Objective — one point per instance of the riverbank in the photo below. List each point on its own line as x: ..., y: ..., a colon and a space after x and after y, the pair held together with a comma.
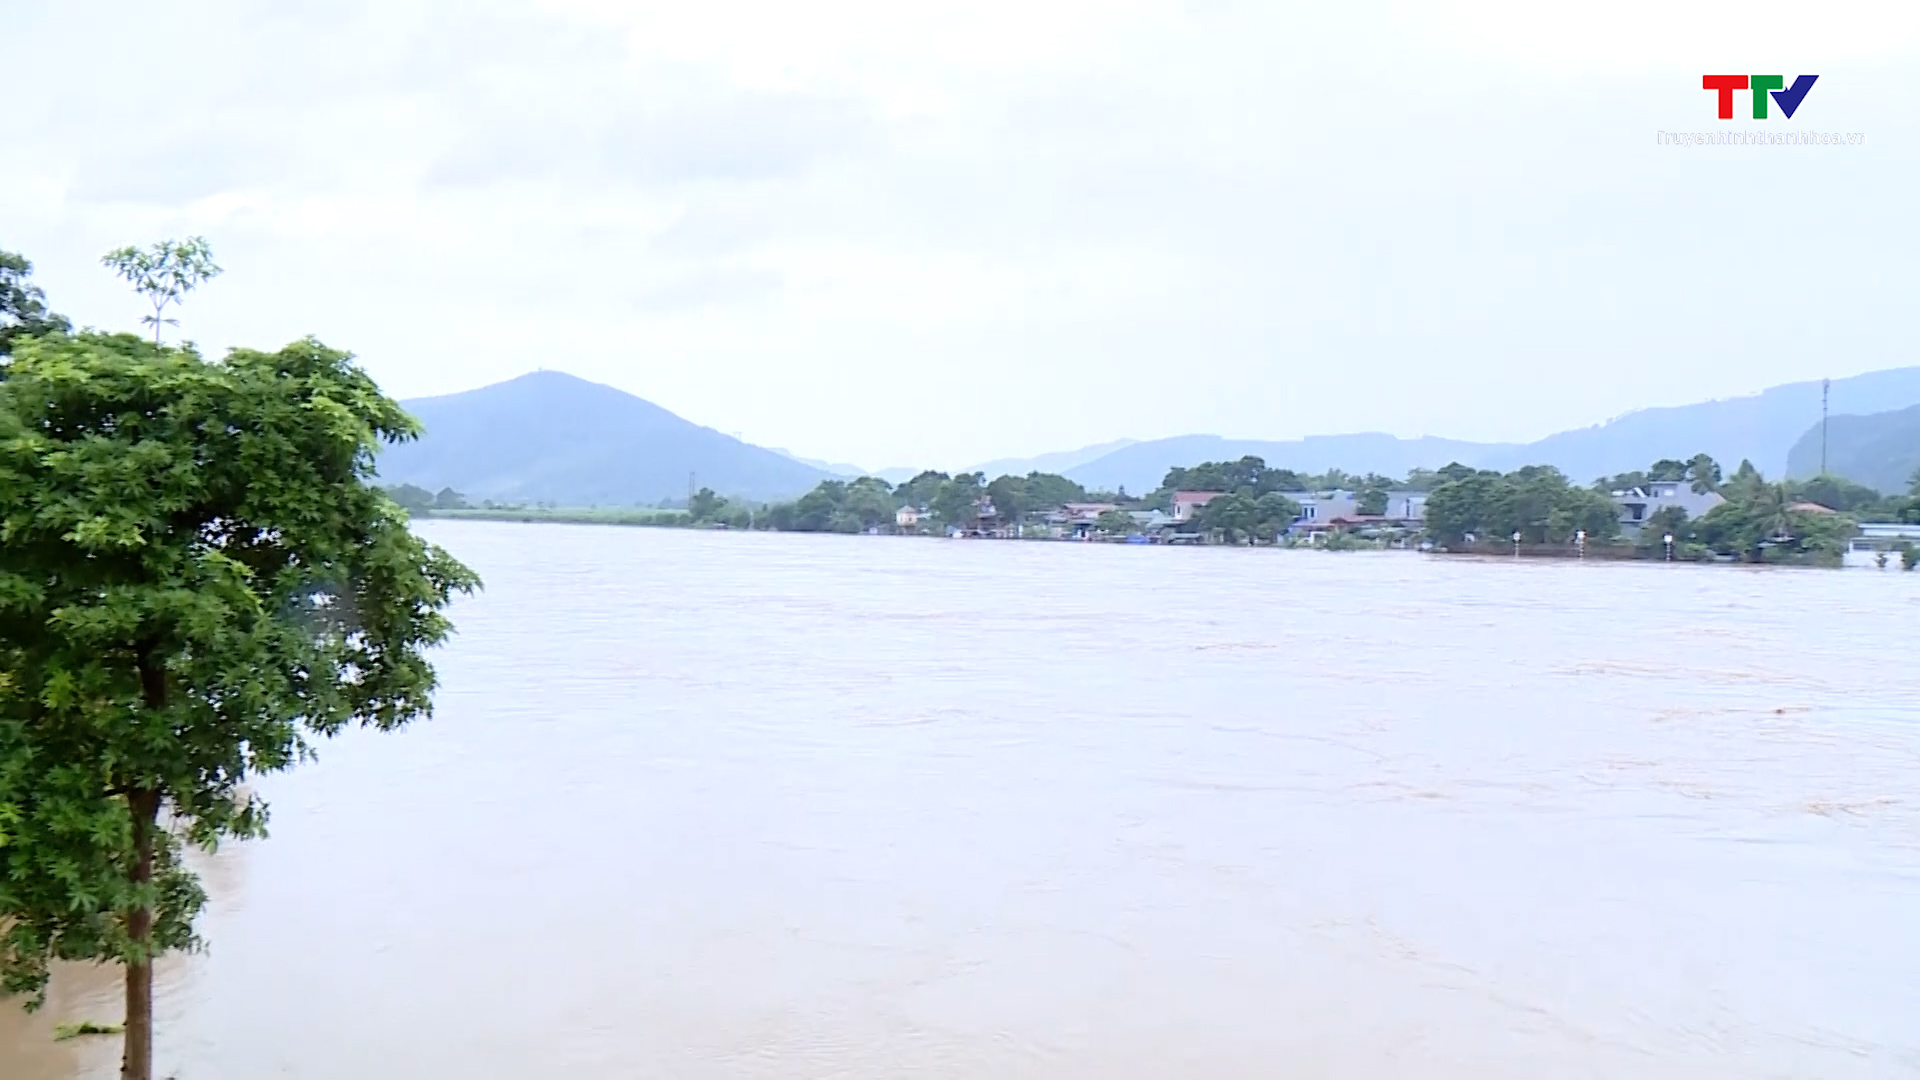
x: 677, y: 519
x: 648, y: 517
x: 592, y: 515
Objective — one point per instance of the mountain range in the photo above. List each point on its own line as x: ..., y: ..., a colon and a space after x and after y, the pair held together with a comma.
x: 1761, y: 428
x: 552, y: 437
x: 1059, y: 462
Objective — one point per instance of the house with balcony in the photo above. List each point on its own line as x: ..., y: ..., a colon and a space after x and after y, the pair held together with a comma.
x: 1318, y: 509
x: 986, y: 519
x: 1322, y: 512
x: 1639, y: 504
x: 1406, y: 508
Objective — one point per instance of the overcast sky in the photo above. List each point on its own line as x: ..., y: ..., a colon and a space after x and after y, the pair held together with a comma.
x: 899, y: 233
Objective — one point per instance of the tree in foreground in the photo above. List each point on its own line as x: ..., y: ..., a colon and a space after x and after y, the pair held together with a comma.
x: 198, y: 580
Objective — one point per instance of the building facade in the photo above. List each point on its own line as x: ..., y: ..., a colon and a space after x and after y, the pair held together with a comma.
x: 1639, y: 504
x: 1186, y: 502
x: 1878, y: 539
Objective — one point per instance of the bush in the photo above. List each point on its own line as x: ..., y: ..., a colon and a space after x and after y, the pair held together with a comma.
x: 1340, y: 541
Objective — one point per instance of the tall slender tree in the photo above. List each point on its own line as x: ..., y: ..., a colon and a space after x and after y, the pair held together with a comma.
x: 164, y: 273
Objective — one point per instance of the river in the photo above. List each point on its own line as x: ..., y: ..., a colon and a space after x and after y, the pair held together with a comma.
x: 702, y: 805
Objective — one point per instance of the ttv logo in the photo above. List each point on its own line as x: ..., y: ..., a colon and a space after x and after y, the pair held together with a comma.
x: 1788, y: 99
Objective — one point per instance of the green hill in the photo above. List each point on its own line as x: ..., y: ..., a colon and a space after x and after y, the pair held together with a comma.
x: 552, y: 437
x: 1880, y: 450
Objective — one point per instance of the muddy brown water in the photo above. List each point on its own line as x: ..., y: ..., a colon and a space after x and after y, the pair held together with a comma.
x: 701, y: 805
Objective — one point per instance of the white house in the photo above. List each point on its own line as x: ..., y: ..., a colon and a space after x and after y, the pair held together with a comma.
x: 1638, y: 504
x: 1406, y: 506
x: 1880, y: 538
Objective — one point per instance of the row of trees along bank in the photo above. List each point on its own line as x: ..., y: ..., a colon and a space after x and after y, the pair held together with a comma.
x: 953, y: 500
x: 198, y: 583
x: 1806, y: 521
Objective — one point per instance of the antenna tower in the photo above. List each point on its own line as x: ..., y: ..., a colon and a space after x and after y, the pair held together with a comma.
x: 1825, y: 386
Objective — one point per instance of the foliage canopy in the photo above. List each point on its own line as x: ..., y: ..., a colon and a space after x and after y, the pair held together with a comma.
x: 23, y: 305
x: 197, y: 580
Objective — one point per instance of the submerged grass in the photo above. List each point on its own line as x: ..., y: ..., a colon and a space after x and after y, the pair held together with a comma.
x: 569, y: 516
x: 85, y: 1027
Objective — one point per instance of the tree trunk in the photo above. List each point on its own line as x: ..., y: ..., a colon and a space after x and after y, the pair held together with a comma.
x: 136, y: 1062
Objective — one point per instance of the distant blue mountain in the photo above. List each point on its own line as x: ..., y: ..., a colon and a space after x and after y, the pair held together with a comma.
x: 1057, y: 462
x: 1761, y: 428
x: 834, y: 468
x: 552, y: 437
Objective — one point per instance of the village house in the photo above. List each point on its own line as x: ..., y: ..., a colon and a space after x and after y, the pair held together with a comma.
x: 1076, y: 520
x: 1320, y: 509
x: 1186, y: 502
x: 1407, y: 508
x: 1640, y: 503
x: 907, y: 518
x: 1150, y: 521
x: 986, y: 519
x: 1880, y: 540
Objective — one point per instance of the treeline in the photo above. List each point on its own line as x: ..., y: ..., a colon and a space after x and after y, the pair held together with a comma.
x: 853, y: 506
x: 1536, y: 503
x: 1255, y: 504
x: 1252, y: 476
x: 1757, y: 520
x: 1754, y: 518
x: 1466, y: 508
x: 1252, y: 505
x: 416, y: 500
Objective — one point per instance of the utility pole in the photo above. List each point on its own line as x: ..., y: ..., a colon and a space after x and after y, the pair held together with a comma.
x: 1825, y: 386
